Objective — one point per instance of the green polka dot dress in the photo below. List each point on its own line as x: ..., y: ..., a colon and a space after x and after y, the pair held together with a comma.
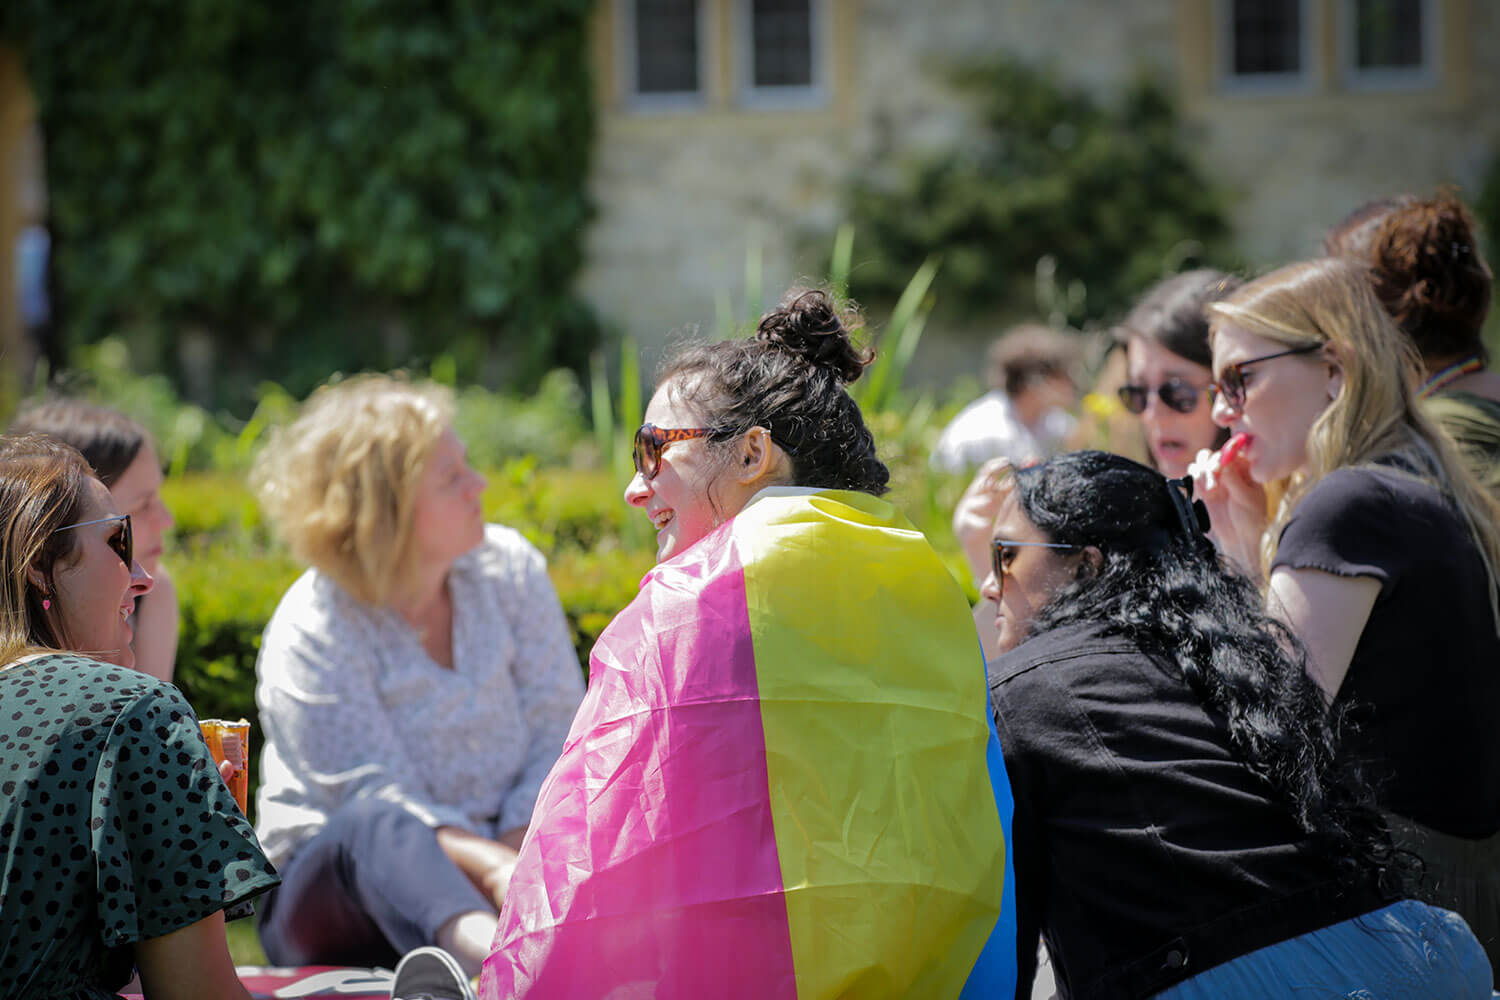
x: 114, y: 826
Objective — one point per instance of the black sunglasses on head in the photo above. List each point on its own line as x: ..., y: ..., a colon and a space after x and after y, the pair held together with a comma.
x: 1176, y: 393
x: 122, y: 541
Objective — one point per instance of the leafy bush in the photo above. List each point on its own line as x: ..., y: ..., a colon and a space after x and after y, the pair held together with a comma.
x: 372, y: 182
x: 1106, y: 198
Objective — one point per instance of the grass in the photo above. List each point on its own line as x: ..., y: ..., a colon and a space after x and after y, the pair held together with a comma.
x: 244, y: 942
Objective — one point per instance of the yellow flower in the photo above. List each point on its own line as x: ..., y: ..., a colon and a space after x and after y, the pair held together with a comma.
x: 1102, y: 407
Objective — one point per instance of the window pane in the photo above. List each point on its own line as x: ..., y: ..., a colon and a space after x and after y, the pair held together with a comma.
x: 1388, y: 34
x: 782, y: 30
x: 666, y: 46
x: 1267, y: 36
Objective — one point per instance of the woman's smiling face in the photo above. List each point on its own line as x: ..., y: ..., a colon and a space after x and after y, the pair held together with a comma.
x: 679, y: 499
x: 93, y: 592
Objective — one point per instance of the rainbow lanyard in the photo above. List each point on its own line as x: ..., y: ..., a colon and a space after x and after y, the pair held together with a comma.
x: 1450, y: 374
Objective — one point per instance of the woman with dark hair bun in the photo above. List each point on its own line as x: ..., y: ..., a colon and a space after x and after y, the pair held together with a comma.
x: 1184, y: 827
x: 783, y: 781
x: 1425, y: 265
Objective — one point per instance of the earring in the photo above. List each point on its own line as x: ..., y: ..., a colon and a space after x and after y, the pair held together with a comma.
x: 46, y: 604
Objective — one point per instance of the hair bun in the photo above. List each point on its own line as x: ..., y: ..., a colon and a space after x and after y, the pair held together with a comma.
x: 808, y: 326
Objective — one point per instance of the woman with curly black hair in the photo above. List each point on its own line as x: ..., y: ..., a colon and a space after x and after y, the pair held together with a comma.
x: 1184, y: 827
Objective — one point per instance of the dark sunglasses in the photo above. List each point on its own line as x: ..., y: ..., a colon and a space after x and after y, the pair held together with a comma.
x: 998, y: 561
x: 651, y: 441
x: 1231, y: 383
x: 1176, y: 393
x: 122, y: 541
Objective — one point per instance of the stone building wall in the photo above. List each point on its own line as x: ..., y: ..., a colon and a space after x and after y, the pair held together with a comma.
x: 682, y: 194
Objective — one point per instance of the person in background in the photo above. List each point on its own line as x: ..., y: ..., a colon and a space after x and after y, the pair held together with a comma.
x: 783, y: 781
x: 1425, y: 265
x: 1024, y: 416
x: 120, y: 844
x: 1184, y: 828
x: 414, y: 685
x: 1381, y: 554
x: 125, y: 460
x: 1167, y: 360
x: 1165, y: 339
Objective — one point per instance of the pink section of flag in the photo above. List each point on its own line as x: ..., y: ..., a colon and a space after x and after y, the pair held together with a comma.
x: 656, y: 872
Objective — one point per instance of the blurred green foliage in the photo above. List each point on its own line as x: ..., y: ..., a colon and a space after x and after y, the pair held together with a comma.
x: 281, y: 190
x: 1046, y: 183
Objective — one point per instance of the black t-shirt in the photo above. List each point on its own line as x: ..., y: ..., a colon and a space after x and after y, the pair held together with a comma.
x: 1423, y: 687
x: 1144, y: 851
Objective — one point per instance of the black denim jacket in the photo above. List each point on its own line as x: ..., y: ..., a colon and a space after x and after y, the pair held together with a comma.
x: 1144, y: 851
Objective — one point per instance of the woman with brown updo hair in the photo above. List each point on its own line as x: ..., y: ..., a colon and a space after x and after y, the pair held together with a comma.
x: 1427, y: 270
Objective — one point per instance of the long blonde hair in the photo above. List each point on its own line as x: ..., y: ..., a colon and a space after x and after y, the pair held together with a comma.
x: 340, y: 482
x: 1330, y: 302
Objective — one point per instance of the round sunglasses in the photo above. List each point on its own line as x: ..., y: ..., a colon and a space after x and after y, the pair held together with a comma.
x: 122, y: 541
x: 1176, y: 393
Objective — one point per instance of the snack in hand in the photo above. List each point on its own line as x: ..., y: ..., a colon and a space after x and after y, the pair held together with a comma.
x: 1208, y: 463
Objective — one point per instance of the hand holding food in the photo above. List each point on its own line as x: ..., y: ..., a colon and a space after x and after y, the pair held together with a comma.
x: 1207, y: 464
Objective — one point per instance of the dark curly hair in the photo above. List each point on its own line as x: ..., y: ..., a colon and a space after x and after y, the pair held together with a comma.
x: 789, y: 378
x: 1161, y: 584
x: 1425, y: 265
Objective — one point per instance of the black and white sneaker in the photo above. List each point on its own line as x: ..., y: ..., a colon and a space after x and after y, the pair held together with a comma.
x: 430, y: 974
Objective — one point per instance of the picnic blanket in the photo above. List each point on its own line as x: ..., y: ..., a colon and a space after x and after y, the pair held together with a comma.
x: 313, y: 981
x: 783, y: 781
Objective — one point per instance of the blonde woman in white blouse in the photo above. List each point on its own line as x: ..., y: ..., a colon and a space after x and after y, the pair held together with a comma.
x: 415, y: 685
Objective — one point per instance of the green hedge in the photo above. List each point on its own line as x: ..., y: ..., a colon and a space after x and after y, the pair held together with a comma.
x: 1049, y: 193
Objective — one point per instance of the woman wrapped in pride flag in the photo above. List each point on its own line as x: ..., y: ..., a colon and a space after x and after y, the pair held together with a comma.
x: 783, y: 781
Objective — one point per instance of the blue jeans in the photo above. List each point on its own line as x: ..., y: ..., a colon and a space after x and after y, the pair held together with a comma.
x: 1405, y: 951
x: 371, y: 886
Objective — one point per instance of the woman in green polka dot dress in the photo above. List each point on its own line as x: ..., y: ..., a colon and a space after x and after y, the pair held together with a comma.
x: 120, y: 845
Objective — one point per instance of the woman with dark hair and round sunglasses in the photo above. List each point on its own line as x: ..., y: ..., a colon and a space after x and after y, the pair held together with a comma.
x: 124, y: 458
x: 779, y: 783
x: 1168, y: 365
x: 1184, y: 827
x: 121, y: 845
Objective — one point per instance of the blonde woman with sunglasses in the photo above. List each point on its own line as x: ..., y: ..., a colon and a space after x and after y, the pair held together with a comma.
x: 121, y: 846
x: 1381, y: 553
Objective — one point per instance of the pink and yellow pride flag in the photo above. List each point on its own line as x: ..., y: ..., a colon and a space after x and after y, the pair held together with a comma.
x: 783, y: 783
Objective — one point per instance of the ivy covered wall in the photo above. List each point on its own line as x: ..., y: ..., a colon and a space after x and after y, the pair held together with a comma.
x: 281, y: 189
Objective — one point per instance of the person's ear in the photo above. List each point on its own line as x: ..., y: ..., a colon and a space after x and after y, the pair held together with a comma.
x: 1090, y: 563
x: 758, y: 456
x: 38, y: 579
x: 1335, y: 371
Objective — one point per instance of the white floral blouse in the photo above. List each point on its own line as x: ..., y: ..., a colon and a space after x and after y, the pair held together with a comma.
x: 352, y: 705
